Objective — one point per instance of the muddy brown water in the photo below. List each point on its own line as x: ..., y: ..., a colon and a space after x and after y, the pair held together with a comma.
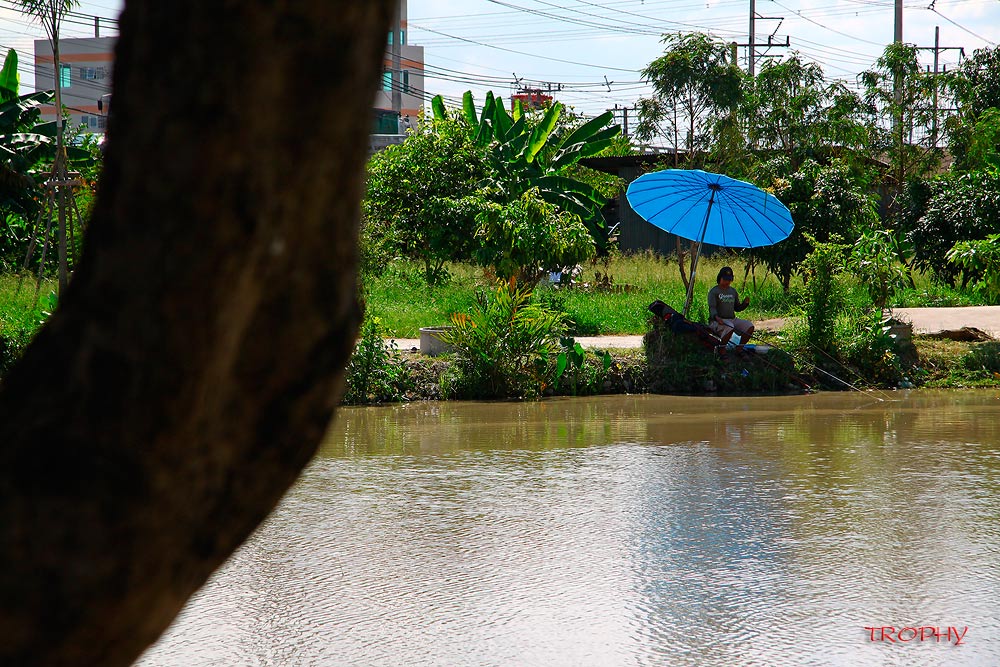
x: 625, y: 531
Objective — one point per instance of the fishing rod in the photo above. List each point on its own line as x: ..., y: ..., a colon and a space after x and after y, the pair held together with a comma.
x: 844, y: 366
x: 814, y: 367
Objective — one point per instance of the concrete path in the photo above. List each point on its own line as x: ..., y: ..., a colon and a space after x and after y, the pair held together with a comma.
x: 924, y: 320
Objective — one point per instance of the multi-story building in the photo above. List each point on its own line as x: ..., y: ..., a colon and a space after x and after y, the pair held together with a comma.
x: 85, y: 65
x: 410, y: 82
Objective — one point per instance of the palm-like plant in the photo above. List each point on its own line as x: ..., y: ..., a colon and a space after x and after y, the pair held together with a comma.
x: 50, y: 13
x: 528, y: 155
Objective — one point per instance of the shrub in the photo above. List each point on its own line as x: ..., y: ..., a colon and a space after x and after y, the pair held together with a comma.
x: 375, y: 373
x: 824, y: 298
x: 680, y: 364
x: 981, y: 258
x: 504, y: 347
x: 527, y: 237
x: 579, y: 372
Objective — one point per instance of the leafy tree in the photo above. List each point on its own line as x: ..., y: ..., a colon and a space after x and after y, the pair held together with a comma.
x: 520, y: 238
x: 696, y: 86
x: 826, y: 201
x: 526, y: 152
x: 193, y: 364
x: 975, y: 86
x: 900, y: 98
x: 420, y: 195
x: 946, y: 210
x: 983, y: 147
x: 983, y: 259
x: 789, y: 106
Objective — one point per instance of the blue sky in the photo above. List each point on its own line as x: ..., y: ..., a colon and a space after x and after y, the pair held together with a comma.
x: 616, y: 38
x: 483, y: 44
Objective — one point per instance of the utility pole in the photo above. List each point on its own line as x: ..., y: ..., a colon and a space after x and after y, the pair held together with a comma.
x: 59, y: 167
x: 752, y: 42
x: 624, y: 110
x: 97, y: 26
x: 397, y: 68
x: 59, y: 187
x: 937, y: 48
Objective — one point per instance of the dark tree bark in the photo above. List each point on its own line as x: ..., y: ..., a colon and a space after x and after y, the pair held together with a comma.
x: 197, y: 356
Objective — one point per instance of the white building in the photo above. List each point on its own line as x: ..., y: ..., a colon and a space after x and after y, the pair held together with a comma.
x: 85, y: 65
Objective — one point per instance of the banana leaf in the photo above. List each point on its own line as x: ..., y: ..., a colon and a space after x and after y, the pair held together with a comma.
x: 437, y: 104
x: 502, y: 123
x: 10, y: 80
x: 540, y: 135
x: 571, y: 186
x: 589, y: 129
x: 567, y: 157
x: 469, y: 108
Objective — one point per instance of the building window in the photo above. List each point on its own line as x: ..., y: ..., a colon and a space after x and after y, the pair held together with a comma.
x: 387, y: 80
x: 102, y: 122
x: 406, y: 81
x: 402, y: 37
x: 93, y: 73
x: 65, y: 76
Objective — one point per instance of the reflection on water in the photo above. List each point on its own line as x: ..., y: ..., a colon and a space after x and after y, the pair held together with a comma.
x: 623, y: 531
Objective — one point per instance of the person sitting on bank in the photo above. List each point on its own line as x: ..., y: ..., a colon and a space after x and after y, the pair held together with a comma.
x: 723, y: 304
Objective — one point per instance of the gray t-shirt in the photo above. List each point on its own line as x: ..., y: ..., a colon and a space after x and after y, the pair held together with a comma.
x: 723, y: 303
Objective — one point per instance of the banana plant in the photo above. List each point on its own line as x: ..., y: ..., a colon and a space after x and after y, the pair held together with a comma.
x: 529, y: 155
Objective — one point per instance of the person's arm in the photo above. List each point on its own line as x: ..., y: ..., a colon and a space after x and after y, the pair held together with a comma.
x: 740, y: 305
x: 713, y: 309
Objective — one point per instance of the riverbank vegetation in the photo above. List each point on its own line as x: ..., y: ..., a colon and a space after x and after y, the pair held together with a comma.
x: 486, y: 218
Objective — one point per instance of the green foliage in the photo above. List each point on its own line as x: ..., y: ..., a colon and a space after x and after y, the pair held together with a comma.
x: 946, y: 210
x: 980, y: 258
x: 526, y: 237
x: 20, y: 318
x: 10, y: 79
x: 535, y: 151
x: 825, y: 200
x: 863, y: 343
x: 873, y: 261
x: 503, y: 347
x: 422, y: 197
x: 823, y: 298
x: 975, y: 86
x: 375, y: 372
x: 694, y: 82
x: 789, y: 106
x: 579, y: 373
x: 984, y: 143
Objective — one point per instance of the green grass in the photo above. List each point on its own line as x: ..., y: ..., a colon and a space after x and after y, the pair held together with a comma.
x: 404, y: 302
x: 951, y: 364
x: 20, y: 315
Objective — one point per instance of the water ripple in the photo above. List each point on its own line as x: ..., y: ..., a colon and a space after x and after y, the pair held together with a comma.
x: 634, y: 531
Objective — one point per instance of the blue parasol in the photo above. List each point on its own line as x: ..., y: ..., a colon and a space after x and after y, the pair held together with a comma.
x: 709, y: 208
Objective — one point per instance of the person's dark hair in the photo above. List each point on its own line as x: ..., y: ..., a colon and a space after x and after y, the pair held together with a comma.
x: 724, y: 272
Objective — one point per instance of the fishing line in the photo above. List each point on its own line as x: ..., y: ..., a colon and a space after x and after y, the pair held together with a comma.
x: 845, y: 367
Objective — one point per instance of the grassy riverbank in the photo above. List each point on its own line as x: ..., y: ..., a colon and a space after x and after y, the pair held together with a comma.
x: 403, y: 301
x: 21, y: 314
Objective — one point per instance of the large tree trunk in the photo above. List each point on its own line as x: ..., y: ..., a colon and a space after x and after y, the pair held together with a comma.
x: 196, y: 358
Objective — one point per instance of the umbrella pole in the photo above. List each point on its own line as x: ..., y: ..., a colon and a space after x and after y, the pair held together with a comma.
x: 697, y: 256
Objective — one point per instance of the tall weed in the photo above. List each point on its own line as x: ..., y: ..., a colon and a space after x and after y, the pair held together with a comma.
x: 504, y: 346
x: 375, y: 373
